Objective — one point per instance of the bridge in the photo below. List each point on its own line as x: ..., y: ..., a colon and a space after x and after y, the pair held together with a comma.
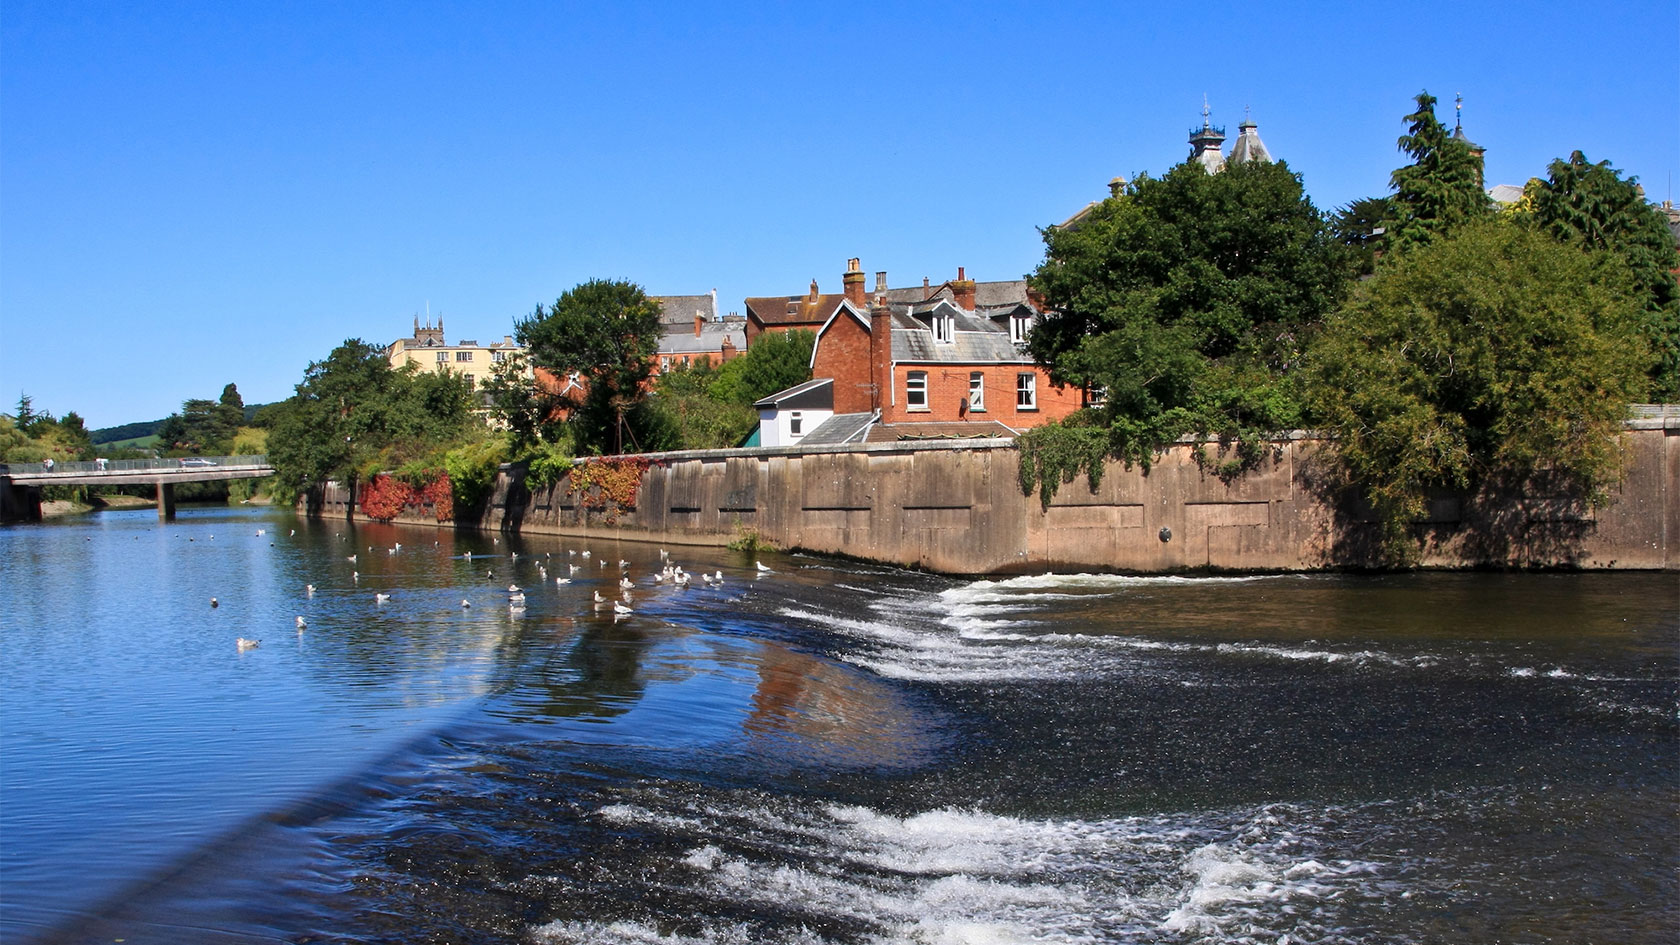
x: 20, y: 484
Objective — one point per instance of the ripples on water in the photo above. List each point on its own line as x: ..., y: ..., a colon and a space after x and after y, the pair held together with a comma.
x: 837, y: 753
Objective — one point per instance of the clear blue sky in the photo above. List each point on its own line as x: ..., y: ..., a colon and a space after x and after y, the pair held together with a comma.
x: 198, y: 193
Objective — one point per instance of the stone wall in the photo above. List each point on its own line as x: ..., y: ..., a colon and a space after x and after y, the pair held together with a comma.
x: 957, y: 507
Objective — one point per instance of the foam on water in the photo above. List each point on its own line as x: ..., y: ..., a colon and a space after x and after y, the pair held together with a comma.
x: 966, y: 876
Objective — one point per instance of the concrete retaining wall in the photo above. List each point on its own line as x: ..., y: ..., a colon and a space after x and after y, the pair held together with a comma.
x: 957, y: 507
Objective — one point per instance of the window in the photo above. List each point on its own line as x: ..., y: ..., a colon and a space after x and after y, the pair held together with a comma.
x: 915, y: 390
x: 1096, y: 396
x: 944, y: 328
x: 977, y: 392
x: 796, y: 424
x: 443, y: 357
x: 463, y: 355
x: 469, y: 378
x: 497, y: 357
x: 1019, y: 326
x: 664, y: 362
x: 1026, y: 392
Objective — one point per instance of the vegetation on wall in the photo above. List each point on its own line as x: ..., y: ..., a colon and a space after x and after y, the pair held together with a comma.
x: 608, y: 485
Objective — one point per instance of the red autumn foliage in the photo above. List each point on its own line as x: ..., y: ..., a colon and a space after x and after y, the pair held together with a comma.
x: 385, y: 497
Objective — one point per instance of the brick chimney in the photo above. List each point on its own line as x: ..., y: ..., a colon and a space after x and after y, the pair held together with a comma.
x: 880, y: 351
x: 853, y: 281
x: 699, y: 321
x: 880, y: 283
x: 962, y: 291
x: 726, y: 350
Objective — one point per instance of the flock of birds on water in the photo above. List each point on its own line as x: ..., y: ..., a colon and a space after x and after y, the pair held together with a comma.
x: 670, y: 573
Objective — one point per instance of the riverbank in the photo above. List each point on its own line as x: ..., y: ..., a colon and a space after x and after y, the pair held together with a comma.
x: 95, y: 504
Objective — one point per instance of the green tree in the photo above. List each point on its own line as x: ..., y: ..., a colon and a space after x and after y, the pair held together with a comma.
x: 607, y: 332
x: 1493, y: 353
x: 776, y: 361
x: 1440, y: 190
x: 1187, y: 300
x: 529, y: 407
x: 1359, y: 227
x: 1593, y: 207
x: 693, y: 411
x: 352, y: 414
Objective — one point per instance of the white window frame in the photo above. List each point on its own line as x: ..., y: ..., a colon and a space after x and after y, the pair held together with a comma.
x: 1026, y: 392
x: 443, y: 357
x: 916, y: 389
x: 977, y: 392
x: 497, y: 357
x: 944, y: 329
x: 1019, y: 327
x: 796, y: 422
x: 463, y: 357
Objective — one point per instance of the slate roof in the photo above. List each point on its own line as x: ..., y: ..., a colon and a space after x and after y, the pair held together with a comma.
x: 840, y: 428
x: 986, y: 294
x: 814, y: 394
x: 1505, y: 193
x: 1249, y: 147
x: 978, y: 338
x: 949, y: 430
x: 676, y: 310
x: 683, y: 341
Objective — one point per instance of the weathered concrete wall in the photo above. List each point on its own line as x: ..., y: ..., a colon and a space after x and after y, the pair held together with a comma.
x: 958, y: 508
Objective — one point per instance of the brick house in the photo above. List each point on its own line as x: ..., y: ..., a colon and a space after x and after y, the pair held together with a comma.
x: 953, y: 355
x: 692, y: 332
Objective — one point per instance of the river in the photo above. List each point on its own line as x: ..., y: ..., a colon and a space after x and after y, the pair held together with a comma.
x: 824, y: 752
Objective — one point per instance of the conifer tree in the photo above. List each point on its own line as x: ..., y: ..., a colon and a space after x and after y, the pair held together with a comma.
x: 1440, y: 190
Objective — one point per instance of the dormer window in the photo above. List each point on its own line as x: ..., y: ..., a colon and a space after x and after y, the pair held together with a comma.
x: 1019, y: 326
x: 944, y: 327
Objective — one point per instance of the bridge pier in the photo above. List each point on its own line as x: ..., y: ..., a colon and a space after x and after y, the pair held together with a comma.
x: 166, y: 501
x: 19, y: 503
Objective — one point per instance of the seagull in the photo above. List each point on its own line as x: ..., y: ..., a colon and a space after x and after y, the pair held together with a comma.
x: 573, y: 569
x: 599, y: 599
x: 293, y: 534
x: 351, y: 559
x: 379, y: 598
x: 626, y: 583
x: 559, y: 581
x: 761, y: 568
x: 515, y: 555
x: 259, y: 533
x: 355, y: 576
x: 215, y: 603
x: 309, y: 589
x: 623, y: 563
x: 664, y: 555
x: 513, y: 588
x: 465, y: 602
x: 602, y: 562
x: 301, y: 624
x: 620, y: 610
x: 245, y: 644
x: 586, y: 554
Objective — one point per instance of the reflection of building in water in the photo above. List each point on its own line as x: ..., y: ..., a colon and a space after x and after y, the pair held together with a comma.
x: 833, y: 709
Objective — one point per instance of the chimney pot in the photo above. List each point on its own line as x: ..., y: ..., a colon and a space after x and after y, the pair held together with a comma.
x: 852, y: 282
x: 960, y: 276
x: 880, y: 282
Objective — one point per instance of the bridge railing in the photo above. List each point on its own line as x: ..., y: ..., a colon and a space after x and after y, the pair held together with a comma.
x: 139, y: 465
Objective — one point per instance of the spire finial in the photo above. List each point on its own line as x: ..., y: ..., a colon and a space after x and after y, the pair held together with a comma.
x: 1205, y: 111
x: 1458, y: 110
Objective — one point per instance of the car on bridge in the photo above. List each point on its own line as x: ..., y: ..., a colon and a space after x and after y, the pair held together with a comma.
x: 193, y: 461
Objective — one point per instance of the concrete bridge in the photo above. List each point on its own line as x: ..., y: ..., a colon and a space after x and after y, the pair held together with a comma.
x: 20, y: 484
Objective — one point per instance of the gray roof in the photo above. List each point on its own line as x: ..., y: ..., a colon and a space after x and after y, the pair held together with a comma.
x: 680, y: 309
x: 978, y: 338
x: 985, y: 293
x: 681, y: 339
x: 838, y: 429
x: 1505, y: 193
x: 1249, y: 147
x: 813, y: 394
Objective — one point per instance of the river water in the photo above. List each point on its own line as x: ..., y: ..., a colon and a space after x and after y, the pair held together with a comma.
x: 826, y: 752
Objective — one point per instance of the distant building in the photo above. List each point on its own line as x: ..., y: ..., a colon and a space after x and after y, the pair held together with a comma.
x: 694, y: 333
x: 427, y: 350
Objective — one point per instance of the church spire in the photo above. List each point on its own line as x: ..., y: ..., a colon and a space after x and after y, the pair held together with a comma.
x: 1249, y: 147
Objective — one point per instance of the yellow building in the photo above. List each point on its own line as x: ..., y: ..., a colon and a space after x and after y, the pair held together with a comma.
x: 428, y: 350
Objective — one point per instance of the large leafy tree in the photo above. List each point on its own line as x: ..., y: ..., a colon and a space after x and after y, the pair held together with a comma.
x: 1187, y: 300
x: 1591, y: 206
x: 353, y: 411
x: 606, y: 332
x: 1440, y: 190
x: 1496, y: 353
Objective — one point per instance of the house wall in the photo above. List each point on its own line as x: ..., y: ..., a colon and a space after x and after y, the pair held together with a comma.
x: 948, y: 392
x: 958, y: 508
x: 776, y: 426
x: 842, y: 353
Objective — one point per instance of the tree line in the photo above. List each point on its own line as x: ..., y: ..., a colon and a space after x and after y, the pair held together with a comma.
x: 1440, y: 342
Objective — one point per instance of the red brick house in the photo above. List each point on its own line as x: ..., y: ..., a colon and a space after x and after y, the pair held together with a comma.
x: 931, y: 355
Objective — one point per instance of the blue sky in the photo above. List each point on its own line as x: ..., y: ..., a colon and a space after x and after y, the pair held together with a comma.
x: 199, y: 193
